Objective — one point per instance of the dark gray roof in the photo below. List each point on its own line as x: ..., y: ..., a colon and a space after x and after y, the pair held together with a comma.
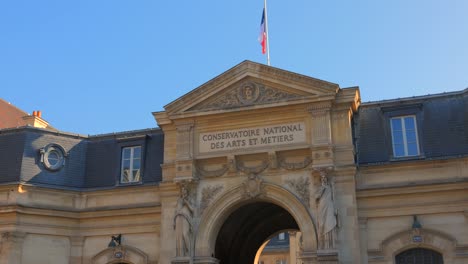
x: 442, y: 122
x: 91, y: 162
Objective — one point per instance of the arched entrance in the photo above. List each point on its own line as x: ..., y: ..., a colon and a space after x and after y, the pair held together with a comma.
x: 419, y: 256
x: 234, y: 227
x: 247, y: 228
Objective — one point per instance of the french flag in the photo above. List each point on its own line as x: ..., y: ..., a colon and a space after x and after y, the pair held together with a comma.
x: 262, y: 35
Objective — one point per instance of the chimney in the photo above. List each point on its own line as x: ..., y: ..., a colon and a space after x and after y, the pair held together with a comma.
x: 36, y: 120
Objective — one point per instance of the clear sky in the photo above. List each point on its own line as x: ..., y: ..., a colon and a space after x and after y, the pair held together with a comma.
x: 100, y: 66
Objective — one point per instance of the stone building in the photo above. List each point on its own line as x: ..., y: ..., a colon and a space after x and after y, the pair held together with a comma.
x: 252, y: 153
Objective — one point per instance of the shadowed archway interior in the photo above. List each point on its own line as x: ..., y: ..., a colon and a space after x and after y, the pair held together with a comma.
x: 247, y: 228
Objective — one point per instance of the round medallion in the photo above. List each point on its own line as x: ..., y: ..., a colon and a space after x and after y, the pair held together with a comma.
x: 248, y: 93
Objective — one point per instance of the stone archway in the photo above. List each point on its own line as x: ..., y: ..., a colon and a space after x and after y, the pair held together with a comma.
x: 246, y: 229
x: 403, y: 241
x: 235, y: 205
x: 120, y: 254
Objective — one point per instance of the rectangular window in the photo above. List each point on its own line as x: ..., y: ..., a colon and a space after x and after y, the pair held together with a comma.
x: 404, y: 136
x: 281, y: 236
x: 131, y: 164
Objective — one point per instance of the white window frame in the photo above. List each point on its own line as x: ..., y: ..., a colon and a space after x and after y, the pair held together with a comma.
x: 405, y: 141
x: 132, y: 159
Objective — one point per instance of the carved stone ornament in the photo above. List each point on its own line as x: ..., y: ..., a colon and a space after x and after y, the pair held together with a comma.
x: 201, y: 173
x: 252, y: 170
x: 208, y: 194
x: 300, y: 186
x: 253, y: 186
x: 295, y: 165
x: 183, y: 222
x: 247, y: 93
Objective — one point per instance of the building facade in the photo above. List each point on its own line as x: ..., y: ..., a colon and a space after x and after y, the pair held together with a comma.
x: 252, y: 153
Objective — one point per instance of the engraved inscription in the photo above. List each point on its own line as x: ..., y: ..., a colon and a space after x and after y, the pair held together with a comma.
x: 252, y: 137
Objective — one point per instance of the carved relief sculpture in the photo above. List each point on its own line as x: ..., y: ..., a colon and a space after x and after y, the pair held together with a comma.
x: 295, y: 165
x: 247, y: 93
x: 253, y: 186
x: 326, y: 214
x: 183, y: 224
x: 301, y: 187
x: 208, y: 193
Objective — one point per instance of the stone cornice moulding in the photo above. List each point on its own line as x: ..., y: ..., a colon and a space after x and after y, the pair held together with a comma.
x: 386, y: 189
x: 303, y: 100
x: 248, y: 69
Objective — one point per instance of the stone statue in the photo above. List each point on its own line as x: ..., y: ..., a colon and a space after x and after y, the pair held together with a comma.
x: 183, y: 224
x: 327, y: 215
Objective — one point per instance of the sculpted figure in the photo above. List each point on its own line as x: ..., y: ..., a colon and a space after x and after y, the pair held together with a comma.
x: 248, y: 93
x: 182, y: 224
x: 327, y: 215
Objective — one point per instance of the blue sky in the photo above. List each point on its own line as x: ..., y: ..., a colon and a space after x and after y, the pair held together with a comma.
x: 104, y: 65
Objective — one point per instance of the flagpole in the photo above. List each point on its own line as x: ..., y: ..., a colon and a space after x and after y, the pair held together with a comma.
x: 266, y: 31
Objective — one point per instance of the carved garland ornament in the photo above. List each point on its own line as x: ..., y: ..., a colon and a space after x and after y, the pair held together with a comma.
x: 252, y: 170
x: 214, y: 173
x: 295, y: 165
x: 247, y: 93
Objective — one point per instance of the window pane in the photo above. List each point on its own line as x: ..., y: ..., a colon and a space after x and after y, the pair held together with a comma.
x: 411, y: 136
x: 136, y: 164
x: 126, y: 153
x: 396, y: 124
x: 397, y: 137
x: 399, y: 150
x: 136, y: 152
x: 136, y: 175
x: 125, y: 175
x: 53, y: 158
x: 412, y: 149
x: 409, y: 123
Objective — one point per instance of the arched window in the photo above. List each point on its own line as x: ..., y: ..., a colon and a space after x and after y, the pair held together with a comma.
x: 419, y: 256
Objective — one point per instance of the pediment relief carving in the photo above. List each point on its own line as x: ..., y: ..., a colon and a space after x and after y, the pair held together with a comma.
x: 246, y: 93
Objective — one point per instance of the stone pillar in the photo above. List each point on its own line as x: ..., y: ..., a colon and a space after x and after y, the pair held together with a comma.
x: 169, y: 196
x: 184, y: 151
x: 76, y: 249
x: 11, y: 247
x: 363, y: 238
x: 181, y: 260
x: 292, y: 247
x: 205, y: 260
x: 321, y: 124
x: 348, y: 231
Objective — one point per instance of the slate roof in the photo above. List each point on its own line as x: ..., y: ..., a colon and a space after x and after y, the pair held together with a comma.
x: 442, y: 122
x: 92, y: 161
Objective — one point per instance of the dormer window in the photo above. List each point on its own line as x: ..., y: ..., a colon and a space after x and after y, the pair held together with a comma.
x: 131, y: 165
x: 404, y: 136
x: 53, y: 157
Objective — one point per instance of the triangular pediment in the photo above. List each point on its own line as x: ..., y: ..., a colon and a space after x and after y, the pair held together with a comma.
x: 249, y: 85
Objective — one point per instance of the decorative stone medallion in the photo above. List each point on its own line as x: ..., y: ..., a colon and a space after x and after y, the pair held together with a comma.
x: 248, y: 93
x: 253, y: 186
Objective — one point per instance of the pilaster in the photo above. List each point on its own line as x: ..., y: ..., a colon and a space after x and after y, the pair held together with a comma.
x: 11, y: 247
x: 76, y: 249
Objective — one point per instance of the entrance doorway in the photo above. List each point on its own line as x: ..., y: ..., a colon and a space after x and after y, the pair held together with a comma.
x: 419, y: 256
x: 247, y: 228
